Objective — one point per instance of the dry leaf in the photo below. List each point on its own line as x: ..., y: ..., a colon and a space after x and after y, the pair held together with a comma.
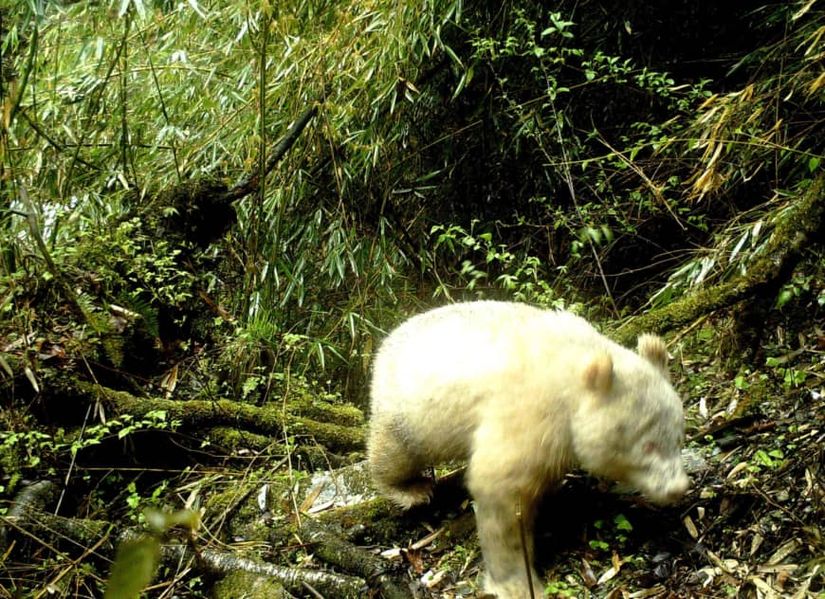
x: 805, y: 8
x: 784, y: 551
x: 431, y: 580
x: 310, y: 498
x: 415, y: 560
x: 587, y: 574
x: 5, y: 366
x: 607, y: 575
x: 763, y: 586
x: 170, y: 380
x: 32, y: 379
x: 691, y: 527
x: 391, y: 554
x: 736, y: 469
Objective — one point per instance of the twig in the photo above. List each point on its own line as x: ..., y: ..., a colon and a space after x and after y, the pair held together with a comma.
x: 528, y: 567
x: 654, y: 189
x: 568, y: 178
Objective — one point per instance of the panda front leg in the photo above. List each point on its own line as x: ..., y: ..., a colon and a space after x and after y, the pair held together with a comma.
x: 505, y: 497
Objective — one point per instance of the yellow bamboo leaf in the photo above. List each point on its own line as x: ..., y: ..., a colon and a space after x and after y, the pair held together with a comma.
x: 816, y: 84
x: 708, y: 102
x: 805, y: 8
x: 813, y: 41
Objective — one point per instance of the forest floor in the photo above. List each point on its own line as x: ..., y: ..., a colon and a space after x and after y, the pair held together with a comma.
x: 751, y: 525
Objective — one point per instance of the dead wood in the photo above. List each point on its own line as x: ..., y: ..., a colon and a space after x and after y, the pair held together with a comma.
x: 800, y: 225
x: 92, y: 537
x: 269, y: 419
x: 34, y: 497
x: 252, y: 182
x: 338, y: 428
x: 338, y: 552
x: 295, y: 580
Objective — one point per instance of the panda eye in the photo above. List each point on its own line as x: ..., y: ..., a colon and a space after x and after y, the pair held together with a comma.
x: 650, y: 447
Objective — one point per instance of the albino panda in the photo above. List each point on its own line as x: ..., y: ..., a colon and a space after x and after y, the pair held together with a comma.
x: 524, y: 395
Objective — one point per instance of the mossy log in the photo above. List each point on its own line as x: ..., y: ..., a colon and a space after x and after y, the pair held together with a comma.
x: 95, y: 538
x: 338, y: 428
x: 244, y: 585
x: 336, y: 551
x: 296, y: 580
x: 800, y: 225
x: 306, y: 456
x: 33, y: 498
x: 269, y: 419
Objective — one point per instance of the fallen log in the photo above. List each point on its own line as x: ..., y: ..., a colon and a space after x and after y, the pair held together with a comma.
x: 272, y: 419
x: 93, y: 538
x: 338, y: 552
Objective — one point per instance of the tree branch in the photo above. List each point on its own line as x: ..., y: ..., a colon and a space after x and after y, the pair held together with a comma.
x: 251, y: 182
x: 794, y: 229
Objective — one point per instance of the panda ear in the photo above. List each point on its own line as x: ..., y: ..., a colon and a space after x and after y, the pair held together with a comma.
x: 598, y: 375
x: 654, y: 350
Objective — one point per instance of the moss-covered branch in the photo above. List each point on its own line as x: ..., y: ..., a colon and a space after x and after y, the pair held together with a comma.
x: 339, y: 552
x: 269, y: 419
x: 339, y: 428
x: 795, y: 229
x: 296, y: 580
x: 93, y: 537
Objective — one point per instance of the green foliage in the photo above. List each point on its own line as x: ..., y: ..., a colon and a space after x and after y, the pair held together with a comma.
x: 526, y: 151
x: 561, y: 588
x: 771, y: 459
x: 790, y: 374
x: 799, y: 285
x: 618, y: 533
x: 259, y: 344
x: 622, y: 523
x: 356, y: 214
x: 134, y: 567
x: 522, y: 277
x: 24, y: 449
x: 171, y: 93
x: 138, y: 506
x: 522, y: 150
x: 129, y: 265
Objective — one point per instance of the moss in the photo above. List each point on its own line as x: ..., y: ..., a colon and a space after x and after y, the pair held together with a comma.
x: 374, y: 521
x: 340, y: 438
x: 232, y: 439
x: 269, y: 419
x: 244, y: 585
x: 237, y: 506
x: 310, y: 406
